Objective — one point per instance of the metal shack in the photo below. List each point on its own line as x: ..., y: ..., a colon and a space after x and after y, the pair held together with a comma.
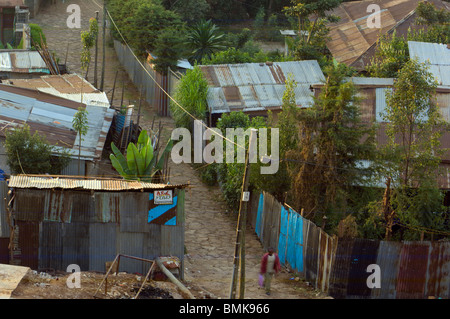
x: 58, y: 221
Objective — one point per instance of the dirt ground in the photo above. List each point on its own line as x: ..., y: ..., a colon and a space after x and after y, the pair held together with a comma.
x: 210, y: 228
x: 41, y: 285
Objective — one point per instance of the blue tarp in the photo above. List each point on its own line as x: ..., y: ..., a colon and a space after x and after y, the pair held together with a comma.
x: 282, y: 242
x: 259, y: 215
x: 294, y: 255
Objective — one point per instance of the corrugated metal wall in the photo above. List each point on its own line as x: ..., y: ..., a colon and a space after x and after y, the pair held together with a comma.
x: 4, y: 226
x: 58, y: 228
x: 142, y: 79
x: 339, y: 267
x: 388, y: 260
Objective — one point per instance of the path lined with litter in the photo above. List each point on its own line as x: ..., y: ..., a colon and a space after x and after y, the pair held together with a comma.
x: 210, y: 230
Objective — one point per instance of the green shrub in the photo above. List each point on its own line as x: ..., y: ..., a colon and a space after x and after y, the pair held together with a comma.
x: 191, y: 94
x: 230, y: 175
x: 32, y: 154
x: 36, y: 33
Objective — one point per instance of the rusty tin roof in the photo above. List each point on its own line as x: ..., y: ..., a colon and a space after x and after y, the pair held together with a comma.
x: 52, y: 116
x: 352, y: 37
x: 259, y: 86
x: 60, y: 182
x: 68, y: 86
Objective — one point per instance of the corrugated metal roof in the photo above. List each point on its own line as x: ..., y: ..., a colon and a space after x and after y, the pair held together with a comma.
x: 259, y: 86
x: 44, y: 182
x: 52, y: 116
x: 351, y: 37
x: 68, y: 86
x: 12, y: 3
x: 23, y: 62
x: 438, y: 55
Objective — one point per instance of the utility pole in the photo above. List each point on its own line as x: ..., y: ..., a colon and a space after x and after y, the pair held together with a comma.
x: 387, y: 210
x: 103, y: 45
x: 239, y: 252
x: 96, y: 52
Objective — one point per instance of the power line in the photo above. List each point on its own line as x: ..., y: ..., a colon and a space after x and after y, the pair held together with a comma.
x: 424, y: 229
x: 156, y: 82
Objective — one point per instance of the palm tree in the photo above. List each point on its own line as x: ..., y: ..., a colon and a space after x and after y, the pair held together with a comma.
x: 204, y: 38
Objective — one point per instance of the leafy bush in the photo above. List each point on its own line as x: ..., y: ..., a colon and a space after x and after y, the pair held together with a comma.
x: 230, y: 175
x: 191, y: 94
x: 208, y: 174
x: 36, y: 33
x: 32, y: 154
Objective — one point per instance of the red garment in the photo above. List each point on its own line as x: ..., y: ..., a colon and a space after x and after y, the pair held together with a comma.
x: 276, y: 264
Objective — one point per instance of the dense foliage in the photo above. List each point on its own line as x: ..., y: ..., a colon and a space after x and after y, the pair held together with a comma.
x: 329, y: 164
x: 191, y: 94
x: 31, y: 153
x: 431, y: 25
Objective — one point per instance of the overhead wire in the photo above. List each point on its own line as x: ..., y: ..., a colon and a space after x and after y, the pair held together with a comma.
x: 159, y: 86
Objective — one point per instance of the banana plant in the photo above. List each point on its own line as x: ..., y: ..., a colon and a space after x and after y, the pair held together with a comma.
x: 140, y: 162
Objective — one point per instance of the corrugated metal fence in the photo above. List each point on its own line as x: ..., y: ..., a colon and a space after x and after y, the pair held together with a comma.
x: 56, y: 228
x: 338, y: 267
x: 146, y: 78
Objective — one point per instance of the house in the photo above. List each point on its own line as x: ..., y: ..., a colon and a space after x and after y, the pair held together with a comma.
x: 87, y: 221
x: 372, y: 94
x: 353, y: 39
x: 255, y: 88
x: 13, y: 14
x: 22, y: 64
x: 51, y: 116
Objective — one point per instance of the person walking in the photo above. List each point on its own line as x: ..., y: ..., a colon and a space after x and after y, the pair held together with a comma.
x: 270, y: 265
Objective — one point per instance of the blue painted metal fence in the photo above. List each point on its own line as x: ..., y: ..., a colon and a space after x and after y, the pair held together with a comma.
x: 338, y: 267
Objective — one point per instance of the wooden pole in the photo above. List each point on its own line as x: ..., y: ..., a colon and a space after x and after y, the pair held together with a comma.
x: 102, y: 81
x: 239, y: 253
x: 114, y: 88
x: 67, y: 53
x: 96, y: 52
x: 123, y: 90
x: 387, y: 210
x: 139, y: 108
x: 173, y: 279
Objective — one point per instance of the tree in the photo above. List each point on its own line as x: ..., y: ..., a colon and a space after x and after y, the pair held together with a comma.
x: 306, y: 9
x: 431, y: 25
x: 412, y: 155
x: 79, y: 123
x: 332, y: 142
x: 140, y: 163
x: 88, y: 41
x: 436, y: 24
x: 31, y: 153
x: 312, y: 18
x: 189, y: 10
x: 168, y: 50
x: 142, y: 21
x: 230, y: 173
x: 204, y: 38
x: 390, y: 56
x: 280, y: 182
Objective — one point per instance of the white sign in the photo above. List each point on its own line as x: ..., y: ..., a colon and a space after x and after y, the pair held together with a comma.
x: 163, y: 197
x: 245, y: 196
